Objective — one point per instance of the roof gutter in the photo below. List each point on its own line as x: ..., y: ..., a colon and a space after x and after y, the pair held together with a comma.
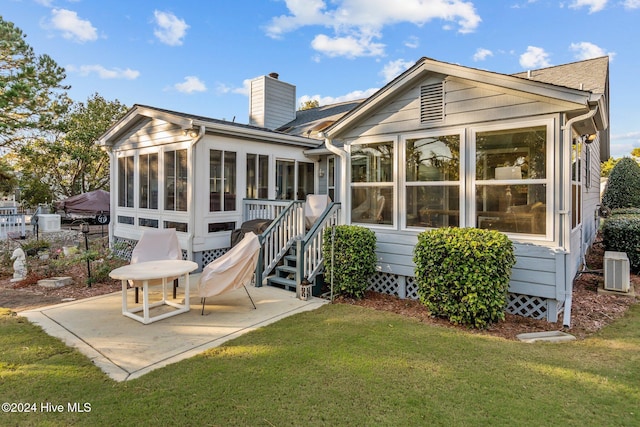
x: 192, y: 176
x: 342, y: 153
x: 565, y: 233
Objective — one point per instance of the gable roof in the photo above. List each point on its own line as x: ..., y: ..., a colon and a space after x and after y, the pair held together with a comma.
x: 572, y: 98
x: 189, y: 121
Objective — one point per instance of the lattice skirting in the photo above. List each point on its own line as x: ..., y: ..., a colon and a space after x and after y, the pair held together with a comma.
x: 212, y: 254
x: 407, y: 288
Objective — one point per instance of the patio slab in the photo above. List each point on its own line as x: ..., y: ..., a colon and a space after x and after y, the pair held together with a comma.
x: 126, y: 349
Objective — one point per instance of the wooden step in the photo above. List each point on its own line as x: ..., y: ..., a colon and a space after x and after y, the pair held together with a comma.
x: 287, y: 284
x: 285, y: 270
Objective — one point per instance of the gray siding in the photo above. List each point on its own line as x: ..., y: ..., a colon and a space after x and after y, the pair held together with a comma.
x: 464, y: 104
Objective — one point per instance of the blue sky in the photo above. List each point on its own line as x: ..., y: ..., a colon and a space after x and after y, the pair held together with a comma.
x: 197, y: 56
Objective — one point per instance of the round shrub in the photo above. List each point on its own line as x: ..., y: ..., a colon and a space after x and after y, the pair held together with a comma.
x: 623, y: 186
x: 463, y: 274
x: 621, y: 233
x: 353, y: 261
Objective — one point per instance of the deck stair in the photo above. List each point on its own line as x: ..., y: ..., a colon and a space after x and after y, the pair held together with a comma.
x: 285, y: 275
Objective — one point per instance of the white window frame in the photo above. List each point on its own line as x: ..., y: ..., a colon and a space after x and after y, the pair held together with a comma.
x: 549, y: 180
x: 402, y: 178
x: 393, y: 184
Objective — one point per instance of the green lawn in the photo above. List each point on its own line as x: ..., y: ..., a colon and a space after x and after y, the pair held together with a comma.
x: 338, y: 365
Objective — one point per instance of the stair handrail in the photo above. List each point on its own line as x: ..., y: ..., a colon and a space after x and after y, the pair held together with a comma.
x: 276, y: 240
x: 310, y: 261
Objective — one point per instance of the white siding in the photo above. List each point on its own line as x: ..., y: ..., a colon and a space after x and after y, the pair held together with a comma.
x: 272, y: 102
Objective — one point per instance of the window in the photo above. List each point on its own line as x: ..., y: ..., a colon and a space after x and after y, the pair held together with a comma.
x: 215, y: 227
x: 257, y: 176
x: 222, y: 181
x: 125, y: 181
x: 433, y: 181
x: 511, y: 180
x: 331, y: 177
x: 305, y: 180
x: 175, y: 176
x: 129, y: 220
x: 148, y: 222
x: 576, y: 183
x: 372, y: 183
x: 183, y: 227
x: 149, y: 181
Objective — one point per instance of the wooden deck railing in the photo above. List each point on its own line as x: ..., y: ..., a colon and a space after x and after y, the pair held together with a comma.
x: 310, y: 260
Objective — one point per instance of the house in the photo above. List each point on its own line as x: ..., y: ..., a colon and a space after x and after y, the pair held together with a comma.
x: 440, y: 145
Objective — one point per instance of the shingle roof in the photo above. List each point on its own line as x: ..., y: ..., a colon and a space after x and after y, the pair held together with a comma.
x: 309, y: 122
x: 589, y: 75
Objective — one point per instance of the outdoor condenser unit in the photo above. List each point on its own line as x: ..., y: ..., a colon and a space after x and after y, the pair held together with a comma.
x: 616, y: 271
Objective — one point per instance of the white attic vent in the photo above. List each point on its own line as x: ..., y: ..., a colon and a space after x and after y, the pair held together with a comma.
x: 432, y: 102
x: 616, y: 271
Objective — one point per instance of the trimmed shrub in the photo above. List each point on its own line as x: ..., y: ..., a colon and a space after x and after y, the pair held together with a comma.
x: 621, y: 233
x: 354, y: 258
x: 463, y: 274
x: 623, y: 187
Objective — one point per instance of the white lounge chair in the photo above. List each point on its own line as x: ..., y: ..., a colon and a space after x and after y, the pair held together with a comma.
x: 314, y: 206
x: 156, y: 245
x: 232, y: 270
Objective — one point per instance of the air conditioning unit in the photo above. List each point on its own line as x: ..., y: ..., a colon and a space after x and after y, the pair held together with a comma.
x: 616, y: 271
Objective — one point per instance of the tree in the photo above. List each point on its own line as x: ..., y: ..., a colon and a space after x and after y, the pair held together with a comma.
x: 308, y: 105
x: 70, y: 162
x: 607, y: 167
x: 622, y: 187
x: 8, y: 180
x: 32, y: 96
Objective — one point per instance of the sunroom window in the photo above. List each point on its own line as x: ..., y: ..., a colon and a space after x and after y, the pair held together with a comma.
x: 125, y: 181
x: 433, y: 181
x: 372, y: 183
x: 148, y: 166
x: 222, y: 180
x: 175, y: 175
x: 257, y: 176
x: 511, y: 180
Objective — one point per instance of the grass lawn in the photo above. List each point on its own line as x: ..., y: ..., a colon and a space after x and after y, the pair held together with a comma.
x: 339, y: 365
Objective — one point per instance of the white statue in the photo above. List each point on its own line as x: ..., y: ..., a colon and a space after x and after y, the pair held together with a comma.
x: 19, y: 265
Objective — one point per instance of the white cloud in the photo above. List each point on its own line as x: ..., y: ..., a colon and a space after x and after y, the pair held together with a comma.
x: 72, y: 27
x: 170, y: 29
x: 191, y: 84
x: 393, y: 69
x: 244, y: 90
x: 104, y: 73
x: 482, y: 54
x: 593, y: 5
x: 586, y: 50
x: 348, y: 46
x: 356, y: 22
x: 632, y: 4
x: 412, y: 42
x: 534, y: 57
x: 327, y: 100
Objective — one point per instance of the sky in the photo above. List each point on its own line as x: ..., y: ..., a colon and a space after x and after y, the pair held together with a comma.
x: 198, y: 57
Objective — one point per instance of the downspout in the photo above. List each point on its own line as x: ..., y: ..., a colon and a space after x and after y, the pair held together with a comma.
x: 565, y: 233
x: 112, y: 193
x: 192, y: 173
x: 342, y: 153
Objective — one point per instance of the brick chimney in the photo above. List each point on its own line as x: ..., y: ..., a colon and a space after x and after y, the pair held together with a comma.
x: 272, y: 102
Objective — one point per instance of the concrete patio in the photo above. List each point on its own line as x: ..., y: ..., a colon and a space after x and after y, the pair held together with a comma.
x: 126, y: 349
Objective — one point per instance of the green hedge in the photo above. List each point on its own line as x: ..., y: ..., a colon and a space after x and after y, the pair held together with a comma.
x: 623, y: 186
x: 353, y: 261
x: 463, y: 274
x: 621, y: 233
